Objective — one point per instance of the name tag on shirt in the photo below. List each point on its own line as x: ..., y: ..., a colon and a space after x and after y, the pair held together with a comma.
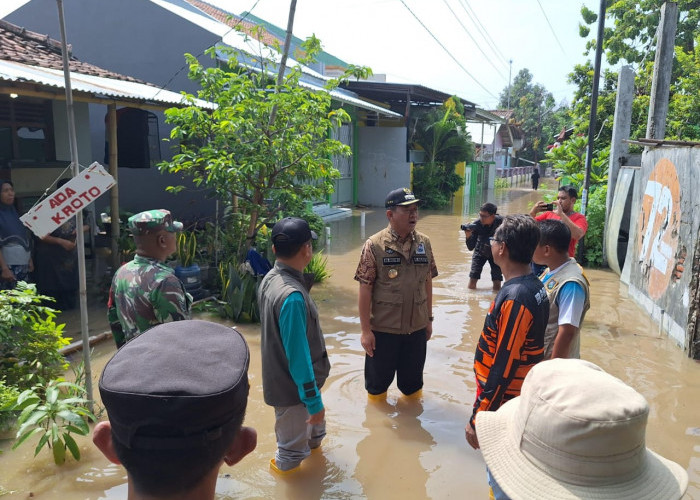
x: 391, y: 261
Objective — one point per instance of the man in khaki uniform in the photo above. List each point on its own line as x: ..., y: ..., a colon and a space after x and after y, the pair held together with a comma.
x: 395, y: 272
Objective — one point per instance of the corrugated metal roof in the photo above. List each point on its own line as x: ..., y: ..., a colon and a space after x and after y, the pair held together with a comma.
x: 96, y: 86
x: 338, y: 94
x: 354, y: 101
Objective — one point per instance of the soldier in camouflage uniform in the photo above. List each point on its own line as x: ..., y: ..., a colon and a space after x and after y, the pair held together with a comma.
x: 145, y: 292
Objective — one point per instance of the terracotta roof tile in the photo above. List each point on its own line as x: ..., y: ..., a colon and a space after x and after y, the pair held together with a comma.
x: 234, y: 21
x: 503, y: 113
x: 27, y: 47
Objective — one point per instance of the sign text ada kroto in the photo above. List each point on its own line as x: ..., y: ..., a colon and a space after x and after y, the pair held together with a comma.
x: 67, y: 201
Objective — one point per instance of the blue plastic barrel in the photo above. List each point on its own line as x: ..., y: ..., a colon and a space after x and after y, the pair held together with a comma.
x: 190, y: 276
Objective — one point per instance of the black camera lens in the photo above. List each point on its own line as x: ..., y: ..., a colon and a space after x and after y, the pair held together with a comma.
x: 464, y: 227
x: 549, y: 207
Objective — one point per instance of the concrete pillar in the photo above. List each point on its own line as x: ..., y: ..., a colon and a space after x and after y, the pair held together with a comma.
x: 620, y: 131
x: 663, y: 63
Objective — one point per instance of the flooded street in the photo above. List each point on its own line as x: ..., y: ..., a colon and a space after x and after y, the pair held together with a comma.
x: 401, y: 448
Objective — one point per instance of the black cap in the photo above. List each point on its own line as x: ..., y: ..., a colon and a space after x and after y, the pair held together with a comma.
x: 401, y: 196
x: 176, y: 386
x: 291, y: 230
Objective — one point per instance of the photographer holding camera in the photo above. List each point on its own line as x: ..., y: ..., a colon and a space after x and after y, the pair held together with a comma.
x: 478, y: 234
x: 563, y: 209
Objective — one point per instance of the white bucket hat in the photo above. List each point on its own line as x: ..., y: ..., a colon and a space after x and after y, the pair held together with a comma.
x: 575, y: 432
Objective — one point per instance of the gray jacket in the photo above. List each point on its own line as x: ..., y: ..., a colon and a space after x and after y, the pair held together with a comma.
x: 279, y: 388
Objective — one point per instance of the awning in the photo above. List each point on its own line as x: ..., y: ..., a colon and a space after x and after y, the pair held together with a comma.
x: 346, y: 98
x: 98, y: 89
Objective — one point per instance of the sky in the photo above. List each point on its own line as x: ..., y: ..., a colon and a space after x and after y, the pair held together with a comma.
x: 460, y: 47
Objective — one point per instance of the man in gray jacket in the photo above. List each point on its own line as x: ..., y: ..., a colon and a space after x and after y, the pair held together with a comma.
x: 294, y: 360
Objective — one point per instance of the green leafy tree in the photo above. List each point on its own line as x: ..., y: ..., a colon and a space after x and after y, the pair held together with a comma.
x: 441, y: 133
x: 582, y: 76
x: 570, y: 160
x: 535, y: 112
x: 683, y: 120
x: 265, y: 149
x: 631, y: 37
x: 631, y: 25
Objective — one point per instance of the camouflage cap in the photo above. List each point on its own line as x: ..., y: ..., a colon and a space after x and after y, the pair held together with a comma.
x: 152, y: 222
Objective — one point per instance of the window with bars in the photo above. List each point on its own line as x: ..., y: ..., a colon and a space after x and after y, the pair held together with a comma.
x: 26, y: 132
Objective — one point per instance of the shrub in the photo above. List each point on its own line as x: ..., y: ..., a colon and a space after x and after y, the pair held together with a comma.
x: 239, y: 288
x: 318, y: 267
x: 8, y: 397
x: 595, y: 214
x: 30, y: 340
x: 501, y: 183
x: 53, y: 411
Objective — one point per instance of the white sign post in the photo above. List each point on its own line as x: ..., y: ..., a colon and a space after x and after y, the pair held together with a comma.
x: 67, y: 201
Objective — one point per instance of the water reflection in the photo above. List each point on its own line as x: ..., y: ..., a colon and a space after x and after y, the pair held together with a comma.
x: 408, y: 448
x: 395, y: 422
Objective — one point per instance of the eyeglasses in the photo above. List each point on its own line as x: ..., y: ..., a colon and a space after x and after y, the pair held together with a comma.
x: 492, y: 239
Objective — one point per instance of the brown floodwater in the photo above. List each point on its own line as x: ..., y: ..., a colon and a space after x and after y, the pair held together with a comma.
x: 407, y: 449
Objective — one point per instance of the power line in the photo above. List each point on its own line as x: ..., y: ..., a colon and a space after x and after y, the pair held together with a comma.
x: 478, y: 46
x: 447, y: 51
x: 482, y: 30
x: 552, y: 29
x: 207, y: 48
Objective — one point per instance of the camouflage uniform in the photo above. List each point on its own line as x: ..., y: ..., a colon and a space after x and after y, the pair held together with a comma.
x: 145, y: 292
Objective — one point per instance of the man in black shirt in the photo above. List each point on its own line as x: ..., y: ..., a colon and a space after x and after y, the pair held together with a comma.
x: 478, y: 234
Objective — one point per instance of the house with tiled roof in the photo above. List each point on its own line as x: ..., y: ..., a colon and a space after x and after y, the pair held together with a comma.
x: 34, y: 147
x: 34, y: 142
x: 148, y: 39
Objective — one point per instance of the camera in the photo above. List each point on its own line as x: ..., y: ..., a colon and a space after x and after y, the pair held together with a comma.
x: 549, y: 207
x: 468, y: 227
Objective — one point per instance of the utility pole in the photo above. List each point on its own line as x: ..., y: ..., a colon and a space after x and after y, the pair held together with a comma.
x: 510, y: 72
x: 592, y: 120
x: 539, y: 101
x: 594, y: 105
x: 663, y: 62
x: 80, y: 236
